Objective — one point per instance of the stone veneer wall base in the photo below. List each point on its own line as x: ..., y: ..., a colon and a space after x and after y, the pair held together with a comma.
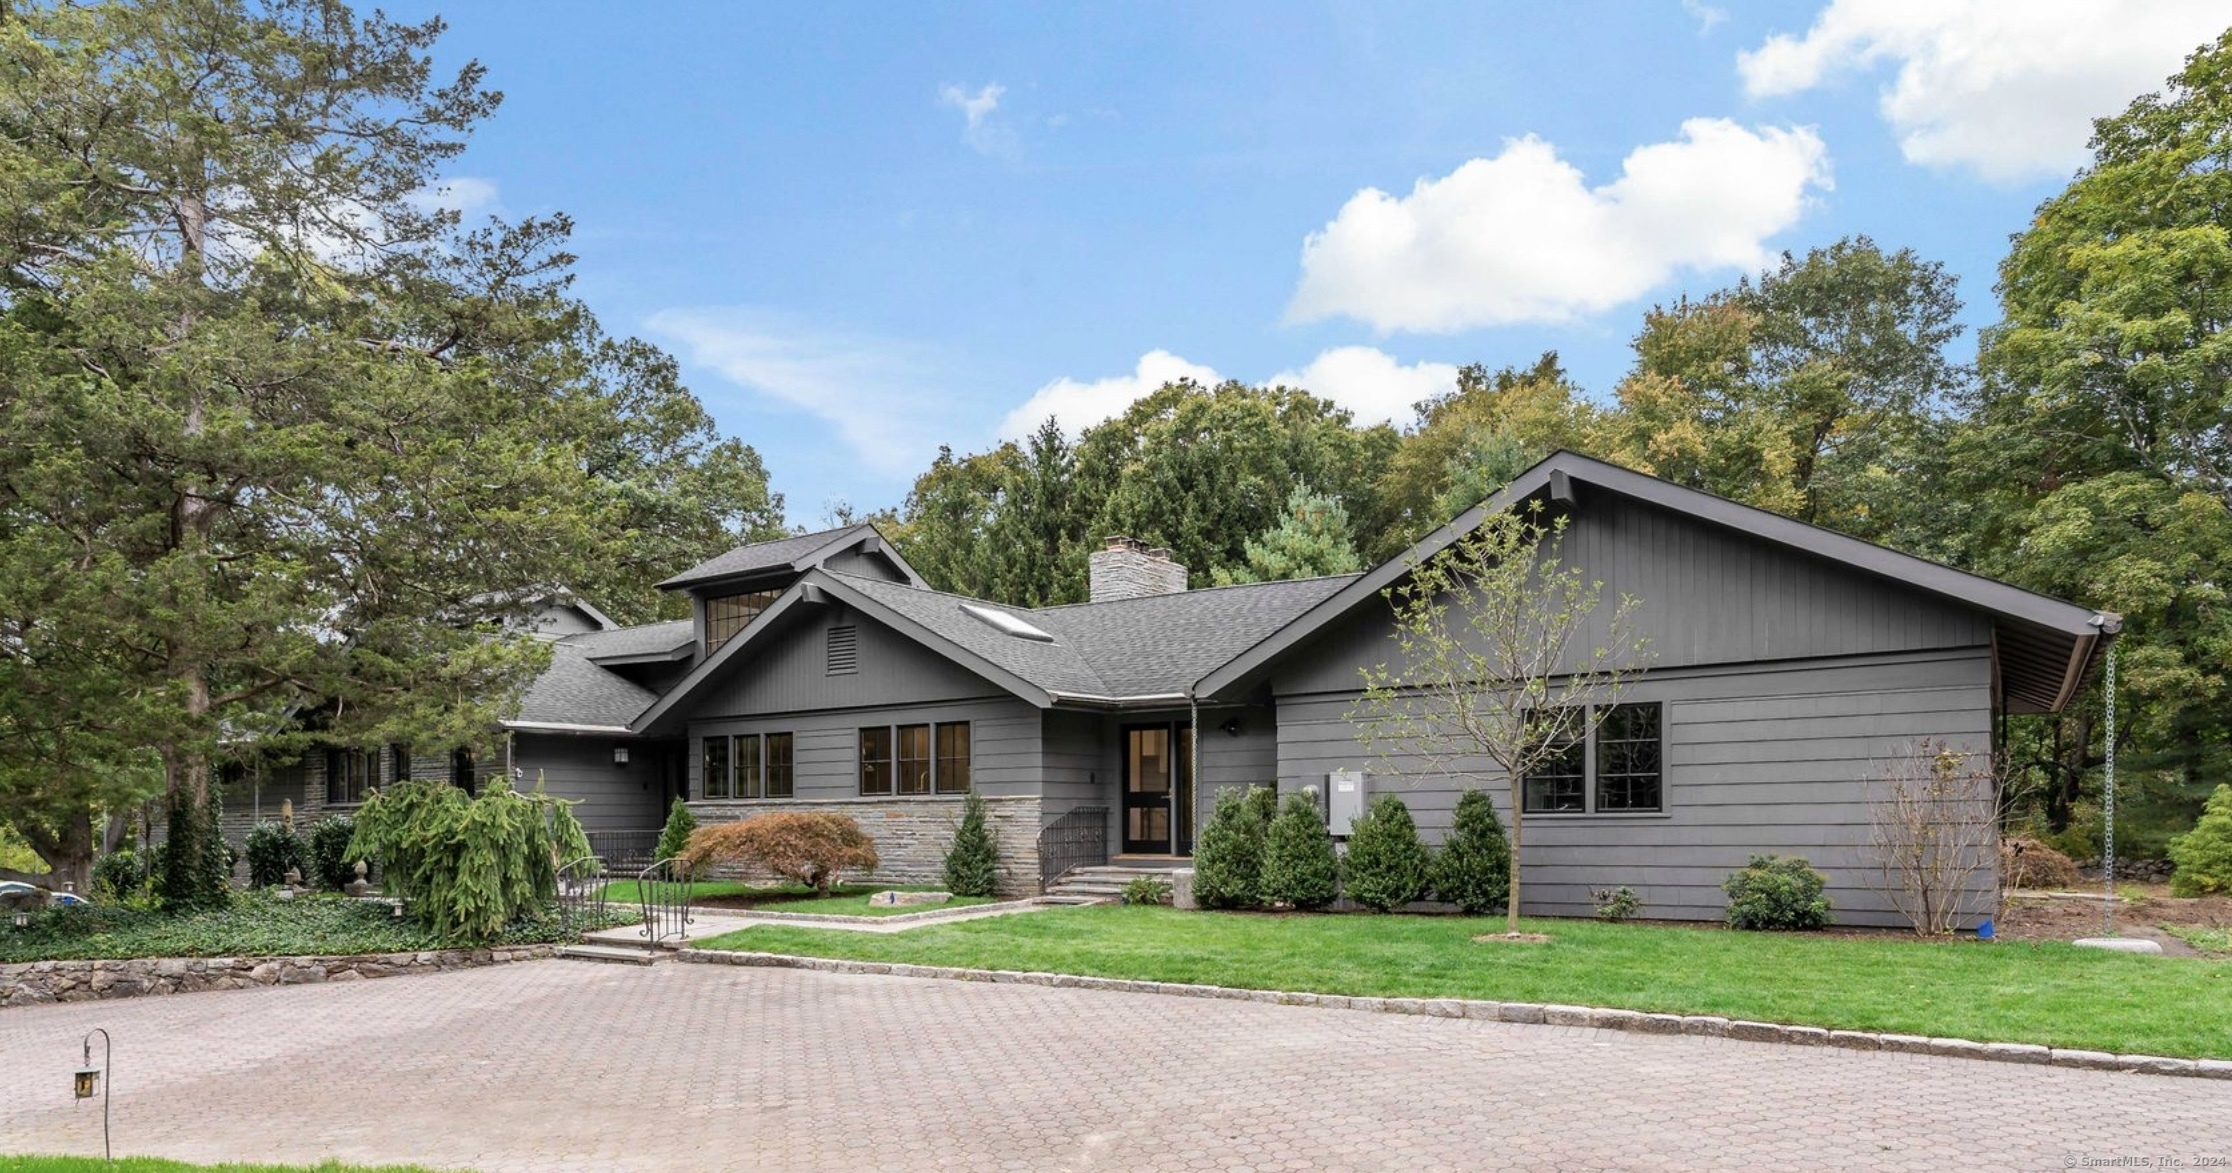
x: 911, y: 834
x: 1531, y: 1013
x: 31, y: 983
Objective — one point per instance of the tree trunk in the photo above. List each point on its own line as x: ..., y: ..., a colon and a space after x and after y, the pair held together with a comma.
x: 1511, y: 905
x: 68, y: 856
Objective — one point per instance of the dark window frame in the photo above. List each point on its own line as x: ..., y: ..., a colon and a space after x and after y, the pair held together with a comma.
x: 915, y: 758
x: 943, y: 762
x: 745, y: 767
x: 351, y: 774
x: 726, y: 615
x: 1588, y: 784
x: 876, y: 773
x: 708, y: 787
x: 931, y: 769
x: 782, y: 770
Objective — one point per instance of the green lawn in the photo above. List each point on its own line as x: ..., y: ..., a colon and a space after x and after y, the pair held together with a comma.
x: 844, y: 900
x: 152, y: 1165
x: 2044, y: 993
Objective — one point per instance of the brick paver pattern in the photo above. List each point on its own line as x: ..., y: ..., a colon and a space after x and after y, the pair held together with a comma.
x: 571, y: 1065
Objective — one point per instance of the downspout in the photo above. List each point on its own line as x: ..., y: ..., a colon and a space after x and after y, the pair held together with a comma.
x: 2109, y: 625
x: 1193, y: 761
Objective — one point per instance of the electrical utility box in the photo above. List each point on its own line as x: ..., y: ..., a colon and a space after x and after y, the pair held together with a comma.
x: 1344, y: 800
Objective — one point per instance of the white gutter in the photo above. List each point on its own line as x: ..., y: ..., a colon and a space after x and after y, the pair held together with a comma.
x: 563, y: 727
x: 1086, y: 698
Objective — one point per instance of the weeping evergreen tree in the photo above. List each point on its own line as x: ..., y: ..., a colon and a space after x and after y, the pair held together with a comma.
x: 466, y: 867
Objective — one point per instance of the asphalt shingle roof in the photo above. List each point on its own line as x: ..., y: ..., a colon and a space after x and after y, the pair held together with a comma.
x: 1153, y: 646
x: 641, y: 640
x: 780, y: 554
x: 573, y: 691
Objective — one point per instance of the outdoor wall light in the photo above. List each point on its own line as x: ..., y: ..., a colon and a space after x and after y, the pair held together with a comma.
x: 619, y: 755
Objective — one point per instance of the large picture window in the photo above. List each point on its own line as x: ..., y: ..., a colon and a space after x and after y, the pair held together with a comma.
x: 953, y: 757
x: 875, y: 760
x: 1620, y: 769
x: 349, y: 775
x: 725, y: 615
x: 715, y: 782
x: 778, y: 765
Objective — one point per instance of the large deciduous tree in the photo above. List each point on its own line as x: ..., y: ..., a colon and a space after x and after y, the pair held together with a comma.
x: 277, y: 431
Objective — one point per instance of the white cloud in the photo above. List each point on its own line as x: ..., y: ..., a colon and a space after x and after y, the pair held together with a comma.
x: 984, y: 135
x: 1371, y: 383
x: 1081, y: 405
x: 2005, y: 89
x: 466, y: 195
x: 1522, y: 238
x: 1704, y: 14
x: 867, y: 389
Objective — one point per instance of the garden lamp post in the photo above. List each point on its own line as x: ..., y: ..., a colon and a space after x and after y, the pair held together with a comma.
x: 85, y: 1083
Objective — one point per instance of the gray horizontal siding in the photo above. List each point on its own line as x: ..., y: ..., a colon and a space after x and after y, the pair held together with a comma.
x: 1777, y: 759
x: 606, y: 797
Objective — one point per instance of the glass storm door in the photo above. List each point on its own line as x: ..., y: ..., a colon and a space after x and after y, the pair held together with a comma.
x: 1147, y: 779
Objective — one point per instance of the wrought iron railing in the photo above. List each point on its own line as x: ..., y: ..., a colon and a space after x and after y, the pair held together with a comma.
x: 1078, y: 839
x: 581, y: 895
x: 663, y: 889
x: 625, y: 851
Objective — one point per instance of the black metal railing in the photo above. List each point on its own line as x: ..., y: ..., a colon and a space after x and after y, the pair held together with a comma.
x: 1078, y: 839
x: 663, y: 889
x: 625, y: 851
x: 581, y: 895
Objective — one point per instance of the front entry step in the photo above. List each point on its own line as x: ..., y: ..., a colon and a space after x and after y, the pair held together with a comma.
x: 612, y: 954
x: 1105, y: 883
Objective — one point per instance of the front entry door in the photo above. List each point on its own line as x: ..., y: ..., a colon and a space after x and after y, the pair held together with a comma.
x: 1158, y: 789
x: 1147, y: 772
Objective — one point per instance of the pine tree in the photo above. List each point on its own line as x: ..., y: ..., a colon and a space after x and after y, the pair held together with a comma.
x: 1228, y: 861
x: 1299, y: 867
x: 1311, y: 540
x: 1387, y: 866
x: 674, y: 839
x: 972, y: 864
x: 1473, y: 869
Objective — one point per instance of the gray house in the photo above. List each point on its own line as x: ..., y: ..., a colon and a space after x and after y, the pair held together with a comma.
x: 820, y: 673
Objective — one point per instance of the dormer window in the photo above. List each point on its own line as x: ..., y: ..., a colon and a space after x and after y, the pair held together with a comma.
x: 725, y: 615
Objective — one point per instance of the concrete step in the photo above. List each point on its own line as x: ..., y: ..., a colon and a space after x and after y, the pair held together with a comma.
x: 1074, y: 898
x: 612, y: 954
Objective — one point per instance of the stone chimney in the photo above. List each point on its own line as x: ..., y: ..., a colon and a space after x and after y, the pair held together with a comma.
x: 1126, y: 569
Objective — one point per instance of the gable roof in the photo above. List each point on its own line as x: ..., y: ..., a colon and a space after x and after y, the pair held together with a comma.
x: 794, y: 554
x: 2043, y: 646
x: 647, y: 641
x: 574, y: 695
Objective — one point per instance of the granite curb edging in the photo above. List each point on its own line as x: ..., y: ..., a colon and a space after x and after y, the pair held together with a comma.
x: 33, y: 983
x: 927, y: 915
x: 1531, y: 1013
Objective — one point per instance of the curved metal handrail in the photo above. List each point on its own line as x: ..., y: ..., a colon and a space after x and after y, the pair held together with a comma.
x: 663, y: 889
x: 582, y: 884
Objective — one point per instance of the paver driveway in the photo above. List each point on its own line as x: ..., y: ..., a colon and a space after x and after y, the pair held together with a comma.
x: 568, y: 1065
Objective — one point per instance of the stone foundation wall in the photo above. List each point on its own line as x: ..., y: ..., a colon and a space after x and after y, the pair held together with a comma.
x: 912, y: 834
x: 32, y: 982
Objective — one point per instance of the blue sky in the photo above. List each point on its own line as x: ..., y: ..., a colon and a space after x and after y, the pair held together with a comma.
x: 867, y: 230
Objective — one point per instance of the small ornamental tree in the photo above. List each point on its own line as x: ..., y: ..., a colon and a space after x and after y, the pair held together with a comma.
x: 274, y: 850
x: 1228, y: 861
x: 1501, y: 654
x: 1473, y: 868
x: 1932, y: 833
x: 1387, y: 865
x: 674, y: 838
x: 972, y: 864
x: 2204, y: 854
x: 812, y: 848
x: 1299, y: 867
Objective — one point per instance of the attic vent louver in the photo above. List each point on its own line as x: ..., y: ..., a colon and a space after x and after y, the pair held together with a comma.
x: 844, y: 650
x: 1007, y: 624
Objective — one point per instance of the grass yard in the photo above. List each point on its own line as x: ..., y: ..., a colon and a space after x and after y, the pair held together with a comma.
x: 2033, y: 993
x: 844, y: 900
x: 152, y: 1165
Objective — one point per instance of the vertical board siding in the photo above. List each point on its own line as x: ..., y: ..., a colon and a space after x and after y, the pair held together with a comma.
x: 1704, y: 596
x: 606, y: 797
x: 790, y: 673
x: 1772, y: 759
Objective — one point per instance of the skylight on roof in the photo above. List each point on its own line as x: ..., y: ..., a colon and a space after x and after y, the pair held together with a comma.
x: 1007, y: 624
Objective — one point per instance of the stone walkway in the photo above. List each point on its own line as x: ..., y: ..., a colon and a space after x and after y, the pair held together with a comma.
x: 561, y: 1065
x: 708, y: 923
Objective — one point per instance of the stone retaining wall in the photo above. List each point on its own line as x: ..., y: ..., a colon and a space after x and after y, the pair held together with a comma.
x: 912, y: 834
x: 32, y: 982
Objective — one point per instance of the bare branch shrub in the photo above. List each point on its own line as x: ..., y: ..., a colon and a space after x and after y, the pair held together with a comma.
x: 1932, y: 830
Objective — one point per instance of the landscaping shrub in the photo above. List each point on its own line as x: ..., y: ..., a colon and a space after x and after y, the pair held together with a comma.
x: 1264, y: 800
x: 1615, y: 904
x: 674, y: 838
x: 1228, y: 859
x: 1387, y: 866
x: 811, y: 848
x: 972, y: 864
x: 1473, y: 868
x: 467, y: 866
x: 1299, y: 867
x: 1777, y: 892
x: 196, y: 867
x: 2204, y: 854
x: 273, y: 850
x: 331, y: 865
x: 120, y: 875
x: 2028, y: 863
x: 1147, y: 890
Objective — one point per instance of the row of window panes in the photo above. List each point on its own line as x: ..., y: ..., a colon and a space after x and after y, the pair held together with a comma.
x: 747, y: 765
x: 915, y: 759
x: 725, y: 615
x: 351, y: 774
x: 1630, y: 759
